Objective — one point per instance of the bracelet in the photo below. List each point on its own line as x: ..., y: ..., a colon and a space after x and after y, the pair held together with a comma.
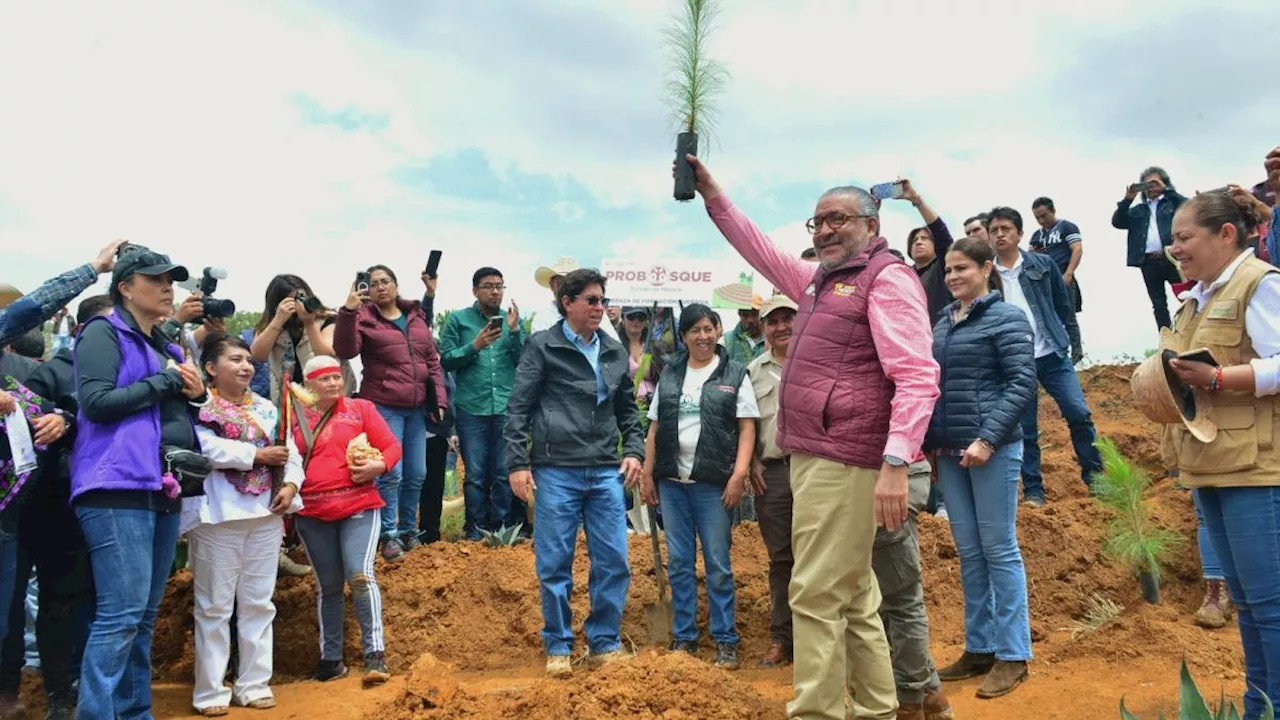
x: 1215, y: 385
x: 987, y: 444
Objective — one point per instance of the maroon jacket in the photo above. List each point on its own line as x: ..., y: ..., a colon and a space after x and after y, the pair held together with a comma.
x: 401, y: 369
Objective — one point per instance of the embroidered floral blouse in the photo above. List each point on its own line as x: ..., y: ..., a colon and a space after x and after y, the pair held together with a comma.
x: 32, y: 406
x: 230, y: 436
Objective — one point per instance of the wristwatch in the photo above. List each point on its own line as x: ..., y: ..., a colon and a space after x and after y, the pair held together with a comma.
x: 894, y: 461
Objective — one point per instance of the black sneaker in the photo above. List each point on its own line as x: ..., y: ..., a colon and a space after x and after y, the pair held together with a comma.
x: 61, y: 707
x: 327, y: 670
x: 411, y: 543
x: 375, y: 669
x: 727, y: 656
x: 392, y: 550
x: 689, y: 647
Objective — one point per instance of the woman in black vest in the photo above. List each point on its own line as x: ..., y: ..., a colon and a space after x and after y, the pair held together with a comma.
x: 699, y: 449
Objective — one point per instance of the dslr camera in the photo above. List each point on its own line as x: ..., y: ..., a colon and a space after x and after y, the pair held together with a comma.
x: 214, y: 307
x: 308, y: 303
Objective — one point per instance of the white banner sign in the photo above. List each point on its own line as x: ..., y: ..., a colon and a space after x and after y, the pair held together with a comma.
x: 633, y: 282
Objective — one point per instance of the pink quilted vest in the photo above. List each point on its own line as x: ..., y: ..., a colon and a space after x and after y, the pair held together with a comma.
x: 835, y: 396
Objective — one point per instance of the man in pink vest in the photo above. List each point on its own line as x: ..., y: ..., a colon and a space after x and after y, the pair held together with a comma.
x: 858, y: 388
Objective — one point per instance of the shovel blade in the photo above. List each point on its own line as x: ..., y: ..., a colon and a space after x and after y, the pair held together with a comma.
x: 659, y: 617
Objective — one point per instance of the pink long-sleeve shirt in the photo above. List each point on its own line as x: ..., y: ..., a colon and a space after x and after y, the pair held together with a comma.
x: 896, y: 309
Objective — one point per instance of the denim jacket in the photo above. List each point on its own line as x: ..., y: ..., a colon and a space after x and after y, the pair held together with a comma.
x: 1135, y: 217
x: 1046, y: 294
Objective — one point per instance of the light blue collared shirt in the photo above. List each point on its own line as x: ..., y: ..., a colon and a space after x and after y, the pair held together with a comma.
x: 592, y: 352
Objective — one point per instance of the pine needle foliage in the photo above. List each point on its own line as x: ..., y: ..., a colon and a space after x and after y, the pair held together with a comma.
x: 694, y: 80
x: 1132, y: 537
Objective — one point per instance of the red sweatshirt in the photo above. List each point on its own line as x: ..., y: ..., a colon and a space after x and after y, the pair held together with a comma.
x: 328, y: 493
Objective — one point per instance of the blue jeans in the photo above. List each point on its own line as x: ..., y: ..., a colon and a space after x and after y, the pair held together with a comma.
x: 1244, y: 525
x: 1208, y: 557
x: 1059, y: 379
x: 487, y: 493
x: 568, y: 497
x: 982, y: 503
x: 692, y: 512
x: 131, y: 553
x: 401, y: 487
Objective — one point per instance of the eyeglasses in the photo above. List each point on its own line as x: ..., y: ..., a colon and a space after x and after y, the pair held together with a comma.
x: 382, y: 283
x: 835, y: 221
x: 594, y: 300
x: 491, y: 287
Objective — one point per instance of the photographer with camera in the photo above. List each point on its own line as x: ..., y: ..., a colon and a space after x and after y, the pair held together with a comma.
x: 403, y: 377
x: 135, y: 451
x: 294, y: 327
x: 1150, y: 226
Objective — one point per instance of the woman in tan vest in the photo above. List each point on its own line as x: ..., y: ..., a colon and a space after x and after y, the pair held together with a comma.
x: 1233, y: 311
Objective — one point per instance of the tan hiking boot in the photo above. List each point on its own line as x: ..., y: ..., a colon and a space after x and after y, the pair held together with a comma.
x: 937, y: 706
x: 559, y: 666
x: 1003, y: 678
x: 1216, y: 610
x: 910, y: 711
x: 608, y: 658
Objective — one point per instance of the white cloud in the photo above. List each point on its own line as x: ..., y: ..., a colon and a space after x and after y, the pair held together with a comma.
x: 176, y: 125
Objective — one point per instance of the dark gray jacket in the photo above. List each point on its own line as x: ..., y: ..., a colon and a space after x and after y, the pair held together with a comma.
x: 553, y: 417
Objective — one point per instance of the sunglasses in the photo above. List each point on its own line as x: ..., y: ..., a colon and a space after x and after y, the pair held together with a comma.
x: 636, y: 316
x: 595, y: 300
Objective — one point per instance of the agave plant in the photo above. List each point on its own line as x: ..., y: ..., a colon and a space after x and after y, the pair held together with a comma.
x: 503, y: 536
x: 1132, y: 537
x: 1192, y: 706
x: 694, y: 82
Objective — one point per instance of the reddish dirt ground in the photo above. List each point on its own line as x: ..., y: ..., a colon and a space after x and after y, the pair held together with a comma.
x: 475, y: 611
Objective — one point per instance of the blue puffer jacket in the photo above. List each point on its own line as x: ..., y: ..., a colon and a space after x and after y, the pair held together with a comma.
x: 988, y: 369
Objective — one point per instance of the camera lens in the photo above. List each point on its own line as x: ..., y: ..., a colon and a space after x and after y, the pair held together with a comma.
x: 219, y: 308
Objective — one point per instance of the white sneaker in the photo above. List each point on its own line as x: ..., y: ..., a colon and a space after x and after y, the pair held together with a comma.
x: 941, y: 514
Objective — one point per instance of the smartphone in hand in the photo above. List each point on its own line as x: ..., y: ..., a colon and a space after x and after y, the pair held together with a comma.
x: 433, y: 263
x: 362, y: 282
x: 495, y: 323
x: 889, y: 191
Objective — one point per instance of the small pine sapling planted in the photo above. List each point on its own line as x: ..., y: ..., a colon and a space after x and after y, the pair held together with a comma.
x: 694, y: 82
x: 1192, y: 706
x: 1132, y: 537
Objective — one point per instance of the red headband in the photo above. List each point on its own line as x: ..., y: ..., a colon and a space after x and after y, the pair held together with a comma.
x: 321, y: 372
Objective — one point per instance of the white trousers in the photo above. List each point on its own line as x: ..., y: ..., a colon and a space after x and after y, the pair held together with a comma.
x: 234, y: 566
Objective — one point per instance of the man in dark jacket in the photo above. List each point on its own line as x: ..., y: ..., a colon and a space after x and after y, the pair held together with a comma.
x: 573, y: 397
x: 1033, y: 284
x: 1150, y: 226
x: 49, y: 536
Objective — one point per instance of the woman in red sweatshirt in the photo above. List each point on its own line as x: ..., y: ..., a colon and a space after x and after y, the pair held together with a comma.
x: 341, y: 508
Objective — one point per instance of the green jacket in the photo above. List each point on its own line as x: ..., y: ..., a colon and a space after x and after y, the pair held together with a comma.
x: 484, y: 378
x: 738, y: 345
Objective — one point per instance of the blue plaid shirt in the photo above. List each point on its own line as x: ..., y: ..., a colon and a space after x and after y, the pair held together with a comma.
x: 32, y: 309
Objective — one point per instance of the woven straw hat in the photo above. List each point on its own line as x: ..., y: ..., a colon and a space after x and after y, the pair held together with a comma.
x: 562, y: 267
x: 1162, y: 398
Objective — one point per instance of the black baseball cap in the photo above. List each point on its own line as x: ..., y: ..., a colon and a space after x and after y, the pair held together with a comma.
x: 634, y: 310
x: 147, y: 262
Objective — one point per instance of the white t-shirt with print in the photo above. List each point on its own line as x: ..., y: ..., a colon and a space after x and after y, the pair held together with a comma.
x: 689, y: 427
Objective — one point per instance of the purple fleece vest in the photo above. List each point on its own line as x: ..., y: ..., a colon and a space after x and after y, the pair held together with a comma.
x: 123, y: 455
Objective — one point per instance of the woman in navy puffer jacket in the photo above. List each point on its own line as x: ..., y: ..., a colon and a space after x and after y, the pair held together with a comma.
x: 985, y: 349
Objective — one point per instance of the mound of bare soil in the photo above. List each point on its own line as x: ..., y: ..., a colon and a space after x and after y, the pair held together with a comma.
x: 653, y: 685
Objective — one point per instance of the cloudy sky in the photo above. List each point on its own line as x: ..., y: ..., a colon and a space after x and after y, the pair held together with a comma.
x: 318, y: 137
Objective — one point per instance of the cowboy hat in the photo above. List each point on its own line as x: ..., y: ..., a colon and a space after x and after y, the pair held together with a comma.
x: 1162, y: 398
x: 563, y: 266
x: 8, y: 294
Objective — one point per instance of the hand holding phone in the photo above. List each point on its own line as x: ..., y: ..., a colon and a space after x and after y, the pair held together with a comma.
x: 889, y: 191
x: 363, y: 280
x: 433, y: 263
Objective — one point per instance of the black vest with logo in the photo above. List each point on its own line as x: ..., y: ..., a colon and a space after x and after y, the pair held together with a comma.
x: 717, y: 450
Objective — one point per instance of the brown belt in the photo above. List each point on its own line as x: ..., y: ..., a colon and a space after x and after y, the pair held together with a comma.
x: 774, y: 463
x: 1156, y: 255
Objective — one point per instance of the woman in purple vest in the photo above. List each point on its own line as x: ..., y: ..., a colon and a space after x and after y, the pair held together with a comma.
x: 136, y: 395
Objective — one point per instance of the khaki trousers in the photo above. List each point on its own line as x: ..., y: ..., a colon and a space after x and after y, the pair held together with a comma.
x: 840, y: 645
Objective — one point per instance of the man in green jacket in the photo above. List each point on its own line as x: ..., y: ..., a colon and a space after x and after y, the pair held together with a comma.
x: 745, y: 342
x: 482, y: 349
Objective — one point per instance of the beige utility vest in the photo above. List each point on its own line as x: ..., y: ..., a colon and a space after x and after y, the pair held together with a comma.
x: 1246, y: 451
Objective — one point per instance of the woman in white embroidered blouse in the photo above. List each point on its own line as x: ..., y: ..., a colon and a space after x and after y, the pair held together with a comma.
x: 235, y: 529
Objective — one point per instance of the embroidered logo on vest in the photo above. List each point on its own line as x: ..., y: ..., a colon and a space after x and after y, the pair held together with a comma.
x: 1224, y: 310
x: 844, y: 290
